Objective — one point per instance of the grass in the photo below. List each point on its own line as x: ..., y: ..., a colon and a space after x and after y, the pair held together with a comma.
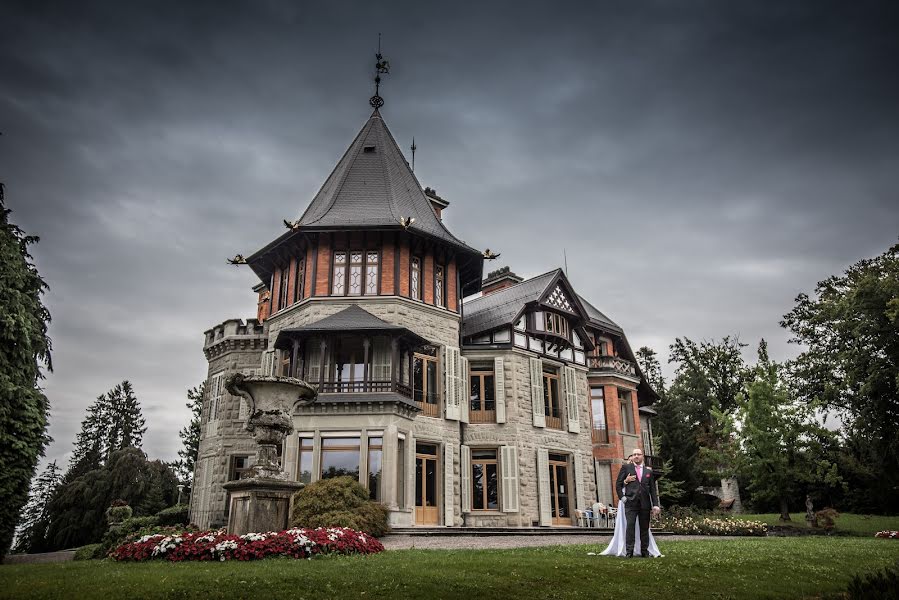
x: 847, y: 523
x: 732, y: 569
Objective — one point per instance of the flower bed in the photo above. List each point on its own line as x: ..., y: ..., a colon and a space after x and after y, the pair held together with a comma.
x: 218, y: 545
x: 689, y: 525
x: 890, y: 535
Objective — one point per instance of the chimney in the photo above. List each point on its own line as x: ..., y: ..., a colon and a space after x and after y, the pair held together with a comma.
x: 437, y: 203
x: 499, y: 280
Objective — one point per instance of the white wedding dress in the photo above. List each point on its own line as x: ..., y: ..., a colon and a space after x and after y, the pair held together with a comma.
x: 618, y: 545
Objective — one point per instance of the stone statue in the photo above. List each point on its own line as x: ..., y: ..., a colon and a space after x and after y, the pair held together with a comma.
x: 809, y: 511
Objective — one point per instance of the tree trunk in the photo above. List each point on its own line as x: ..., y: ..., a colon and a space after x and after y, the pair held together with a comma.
x: 784, y: 510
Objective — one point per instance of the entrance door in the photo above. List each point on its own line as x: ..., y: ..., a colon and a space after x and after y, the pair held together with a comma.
x: 426, y: 511
x: 559, y: 489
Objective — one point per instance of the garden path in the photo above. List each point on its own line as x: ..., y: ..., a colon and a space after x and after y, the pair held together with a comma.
x: 474, y: 542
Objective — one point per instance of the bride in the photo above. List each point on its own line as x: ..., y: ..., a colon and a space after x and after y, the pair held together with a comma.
x: 618, y: 545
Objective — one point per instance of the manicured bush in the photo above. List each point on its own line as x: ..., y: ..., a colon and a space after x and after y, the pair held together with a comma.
x: 218, y: 545
x: 174, y: 515
x: 118, y: 533
x: 826, y: 519
x: 339, y: 502
x: 89, y: 552
x: 118, y: 513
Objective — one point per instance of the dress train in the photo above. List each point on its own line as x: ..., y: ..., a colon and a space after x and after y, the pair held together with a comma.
x: 618, y: 545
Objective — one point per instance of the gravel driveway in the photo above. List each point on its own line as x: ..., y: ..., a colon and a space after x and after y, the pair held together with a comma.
x: 474, y: 542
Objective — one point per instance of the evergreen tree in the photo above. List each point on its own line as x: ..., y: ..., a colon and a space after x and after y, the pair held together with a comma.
x: 24, y: 349
x: 190, y: 438
x: 652, y: 368
x: 90, y: 442
x: 126, y: 422
x: 35, y: 520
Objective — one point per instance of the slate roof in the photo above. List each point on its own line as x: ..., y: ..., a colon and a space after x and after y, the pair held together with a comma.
x: 353, y: 318
x: 500, y: 308
x: 596, y: 315
x: 373, y: 189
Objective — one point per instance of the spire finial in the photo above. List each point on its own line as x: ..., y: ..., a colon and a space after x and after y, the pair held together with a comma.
x: 381, y: 66
x: 414, y: 148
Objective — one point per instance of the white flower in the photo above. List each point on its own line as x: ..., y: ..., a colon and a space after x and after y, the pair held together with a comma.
x: 253, y: 537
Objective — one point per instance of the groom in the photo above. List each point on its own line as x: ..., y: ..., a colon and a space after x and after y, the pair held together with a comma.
x: 636, y: 486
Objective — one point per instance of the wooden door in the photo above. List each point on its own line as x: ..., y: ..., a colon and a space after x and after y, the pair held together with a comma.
x: 559, y: 489
x: 426, y: 473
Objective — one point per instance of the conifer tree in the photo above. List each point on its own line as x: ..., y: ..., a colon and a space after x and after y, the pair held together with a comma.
x: 24, y: 349
x: 190, y: 437
x: 35, y: 519
x: 126, y: 422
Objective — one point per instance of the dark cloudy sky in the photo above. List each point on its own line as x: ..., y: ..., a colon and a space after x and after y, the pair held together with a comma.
x: 700, y: 162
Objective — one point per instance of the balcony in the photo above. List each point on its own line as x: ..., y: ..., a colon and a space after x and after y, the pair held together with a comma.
x: 362, y: 387
x: 612, y: 365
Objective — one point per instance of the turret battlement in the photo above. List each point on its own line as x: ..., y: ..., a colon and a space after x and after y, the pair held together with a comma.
x: 230, y: 329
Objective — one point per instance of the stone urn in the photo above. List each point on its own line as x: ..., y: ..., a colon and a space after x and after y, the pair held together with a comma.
x: 261, y: 502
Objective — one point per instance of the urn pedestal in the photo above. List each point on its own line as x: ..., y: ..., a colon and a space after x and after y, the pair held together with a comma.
x: 260, y: 505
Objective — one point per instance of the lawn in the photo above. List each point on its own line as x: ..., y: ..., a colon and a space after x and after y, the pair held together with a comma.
x: 863, y: 525
x: 734, y: 568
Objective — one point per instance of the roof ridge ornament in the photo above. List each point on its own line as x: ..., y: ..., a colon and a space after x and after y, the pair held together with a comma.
x: 381, y: 66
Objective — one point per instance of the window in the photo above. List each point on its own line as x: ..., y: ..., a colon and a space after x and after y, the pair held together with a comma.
x: 627, y: 411
x: 484, y: 479
x: 415, y: 278
x: 355, y: 273
x: 401, y: 472
x: 349, y: 365
x: 282, y: 287
x: 338, y: 279
x: 304, y: 466
x: 424, y: 384
x: 284, y: 369
x: 240, y: 464
x: 551, y: 400
x: 482, y: 397
x: 372, y: 266
x: 438, y: 285
x: 553, y: 323
x: 501, y: 336
x: 340, y: 457
x: 598, y: 406
x: 375, y: 454
x: 300, y: 280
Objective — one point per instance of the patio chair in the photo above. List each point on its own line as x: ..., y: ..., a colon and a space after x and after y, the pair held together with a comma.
x: 600, y: 515
x: 581, y: 518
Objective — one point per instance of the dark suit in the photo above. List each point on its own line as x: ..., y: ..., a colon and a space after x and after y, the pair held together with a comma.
x: 641, y: 497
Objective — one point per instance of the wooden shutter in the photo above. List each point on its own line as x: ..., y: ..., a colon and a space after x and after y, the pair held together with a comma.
x: 570, y: 380
x: 464, y: 390
x: 509, y: 465
x: 269, y: 363
x: 499, y: 392
x: 314, y: 363
x: 579, y: 494
x: 543, y: 490
x: 451, y: 386
x: 449, y: 488
x: 537, y: 392
x: 465, y: 478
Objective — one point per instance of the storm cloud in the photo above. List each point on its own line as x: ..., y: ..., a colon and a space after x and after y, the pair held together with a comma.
x: 699, y: 163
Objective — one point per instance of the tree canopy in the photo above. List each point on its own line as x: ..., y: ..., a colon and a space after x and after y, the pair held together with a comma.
x: 24, y: 350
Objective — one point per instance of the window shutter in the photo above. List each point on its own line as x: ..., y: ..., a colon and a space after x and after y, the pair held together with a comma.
x: 451, y: 384
x: 448, y: 486
x: 268, y: 363
x: 465, y: 472
x: 499, y: 382
x: 464, y: 390
x: 380, y: 364
x: 543, y: 486
x: 579, y: 494
x: 537, y: 393
x: 509, y: 459
x: 570, y: 378
x: 314, y: 363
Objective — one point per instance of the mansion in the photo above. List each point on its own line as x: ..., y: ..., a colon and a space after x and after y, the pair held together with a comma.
x: 455, y: 399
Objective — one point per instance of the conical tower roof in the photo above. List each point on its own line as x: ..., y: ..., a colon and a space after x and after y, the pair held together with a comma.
x: 372, y: 186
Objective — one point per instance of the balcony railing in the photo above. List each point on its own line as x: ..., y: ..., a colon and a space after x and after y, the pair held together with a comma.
x: 482, y: 416
x: 428, y: 409
x: 614, y: 364
x: 362, y: 387
x: 600, y: 434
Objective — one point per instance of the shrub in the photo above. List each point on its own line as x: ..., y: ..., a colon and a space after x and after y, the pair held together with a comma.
x: 880, y: 585
x: 218, y: 545
x: 119, y: 532
x: 710, y: 525
x: 174, y: 515
x: 88, y: 552
x: 339, y: 502
x: 117, y: 513
x: 825, y: 518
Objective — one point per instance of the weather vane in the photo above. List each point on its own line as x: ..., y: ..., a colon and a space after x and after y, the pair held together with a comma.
x: 381, y: 66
